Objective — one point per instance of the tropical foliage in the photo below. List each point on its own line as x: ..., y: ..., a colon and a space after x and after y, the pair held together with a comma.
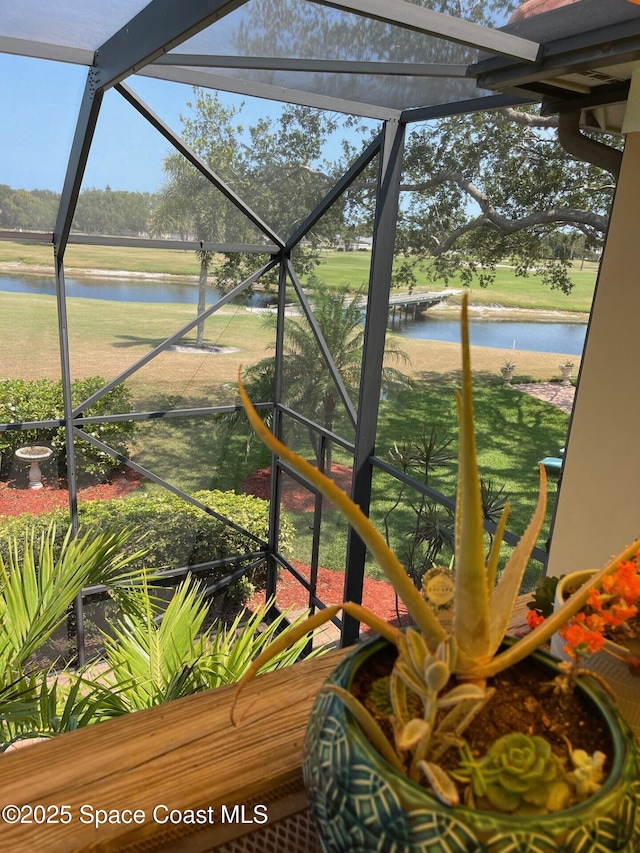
x: 308, y: 386
x: 23, y: 400
x: 156, y: 650
x: 173, y: 532
x: 39, y: 581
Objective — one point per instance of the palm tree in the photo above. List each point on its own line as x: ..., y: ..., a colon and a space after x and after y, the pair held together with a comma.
x: 308, y: 386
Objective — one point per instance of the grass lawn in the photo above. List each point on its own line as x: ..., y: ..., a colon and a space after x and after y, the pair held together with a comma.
x: 352, y: 269
x: 504, y: 416
x: 161, y: 261
x: 336, y: 269
x: 514, y: 429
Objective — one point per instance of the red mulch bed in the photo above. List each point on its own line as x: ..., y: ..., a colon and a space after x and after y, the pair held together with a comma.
x: 378, y: 595
x: 16, y: 497
x: 294, y: 496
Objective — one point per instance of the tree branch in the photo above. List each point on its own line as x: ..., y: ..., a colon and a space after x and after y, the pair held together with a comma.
x: 571, y: 216
x: 528, y: 119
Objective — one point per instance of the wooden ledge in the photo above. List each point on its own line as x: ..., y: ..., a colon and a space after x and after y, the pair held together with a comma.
x: 182, y: 756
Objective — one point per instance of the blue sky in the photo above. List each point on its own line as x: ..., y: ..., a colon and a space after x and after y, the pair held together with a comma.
x: 39, y: 101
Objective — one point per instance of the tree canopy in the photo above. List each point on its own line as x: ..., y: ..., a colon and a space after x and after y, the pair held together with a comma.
x: 497, y: 187
x: 477, y: 191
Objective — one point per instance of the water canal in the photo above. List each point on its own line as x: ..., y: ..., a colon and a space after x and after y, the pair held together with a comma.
x: 506, y: 334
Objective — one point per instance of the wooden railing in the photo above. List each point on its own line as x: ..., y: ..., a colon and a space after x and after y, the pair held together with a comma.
x: 185, y: 760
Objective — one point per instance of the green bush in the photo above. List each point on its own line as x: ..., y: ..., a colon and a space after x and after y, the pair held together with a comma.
x: 174, y: 532
x: 41, y: 400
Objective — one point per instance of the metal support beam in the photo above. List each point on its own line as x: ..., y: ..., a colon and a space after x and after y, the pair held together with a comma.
x: 312, y: 66
x: 196, y: 161
x: 336, y: 191
x: 236, y: 291
x: 156, y: 29
x: 372, y: 357
x: 276, y: 473
x: 322, y: 346
x: 398, y: 13
x: 85, y: 128
x: 486, y: 102
x: 72, y: 482
x: 284, y: 94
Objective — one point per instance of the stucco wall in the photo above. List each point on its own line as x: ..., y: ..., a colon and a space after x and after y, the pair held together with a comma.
x: 599, y: 503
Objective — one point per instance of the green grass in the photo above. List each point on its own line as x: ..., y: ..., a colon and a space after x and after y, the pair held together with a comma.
x: 352, y: 268
x: 504, y: 417
x: 106, y: 337
x: 336, y: 269
x: 161, y: 261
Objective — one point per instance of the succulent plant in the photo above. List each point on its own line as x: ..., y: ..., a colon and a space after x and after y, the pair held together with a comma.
x: 588, y: 774
x: 519, y: 775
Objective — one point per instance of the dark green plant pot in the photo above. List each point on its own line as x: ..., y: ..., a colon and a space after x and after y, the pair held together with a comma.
x: 361, y: 804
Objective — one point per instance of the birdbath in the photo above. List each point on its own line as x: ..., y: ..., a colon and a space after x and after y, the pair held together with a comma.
x: 34, y: 455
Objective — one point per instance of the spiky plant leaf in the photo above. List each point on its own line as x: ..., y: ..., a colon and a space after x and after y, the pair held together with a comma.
x: 37, y: 589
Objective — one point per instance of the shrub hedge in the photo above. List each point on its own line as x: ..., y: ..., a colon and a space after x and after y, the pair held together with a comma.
x: 41, y: 400
x: 174, y: 532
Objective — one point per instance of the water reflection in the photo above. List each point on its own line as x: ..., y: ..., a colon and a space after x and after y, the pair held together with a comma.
x: 119, y: 289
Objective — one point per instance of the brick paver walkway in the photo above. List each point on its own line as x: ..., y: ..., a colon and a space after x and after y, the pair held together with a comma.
x: 552, y: 392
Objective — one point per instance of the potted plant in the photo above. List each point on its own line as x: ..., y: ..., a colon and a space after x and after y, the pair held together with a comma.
x: 410, y: 776
x: 566, y: 369
x: 604, y: 636
x: 507, y: 370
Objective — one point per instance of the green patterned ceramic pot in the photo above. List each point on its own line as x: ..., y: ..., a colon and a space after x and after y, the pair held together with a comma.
x: 361, y: 804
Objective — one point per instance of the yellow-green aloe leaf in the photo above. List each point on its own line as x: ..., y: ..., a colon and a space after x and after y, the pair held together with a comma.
x: 368, y: 725
x: 505, y: 594
x: 296, y: 631
x: 494, y: 552
x: 471, y: 614
x: 280, y: 644
x: 416, y: 605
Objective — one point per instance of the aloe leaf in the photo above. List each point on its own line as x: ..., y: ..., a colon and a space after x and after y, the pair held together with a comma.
x: 416, y: 605
x: 471, y: 615
x: 543, y: 633
x: 505, y: 594
x: 494, y: 552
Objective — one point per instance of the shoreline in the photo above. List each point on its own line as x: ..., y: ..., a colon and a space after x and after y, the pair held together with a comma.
x: 495, y: 312
x: 479, y: 311
x: 20, y: 268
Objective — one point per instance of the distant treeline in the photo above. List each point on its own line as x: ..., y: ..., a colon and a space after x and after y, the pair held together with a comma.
x: 107, y: 211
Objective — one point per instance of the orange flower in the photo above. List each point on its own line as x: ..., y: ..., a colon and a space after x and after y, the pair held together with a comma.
x: 580, y: 640
x: 534, y: 619
x: 608, y: 607
x: 619, y: 613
